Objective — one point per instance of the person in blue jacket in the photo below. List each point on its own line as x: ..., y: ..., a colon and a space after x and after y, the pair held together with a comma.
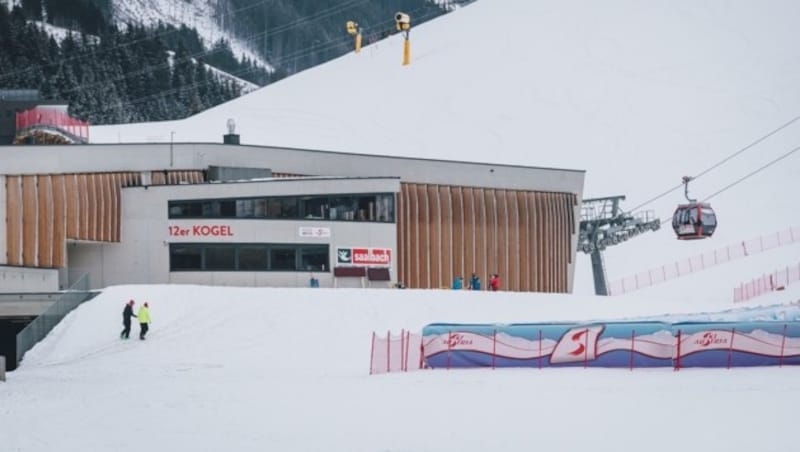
x: 458, y: 283
x: 475, y: 282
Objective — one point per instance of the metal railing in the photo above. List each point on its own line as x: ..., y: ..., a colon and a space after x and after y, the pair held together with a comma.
x: 42, y: 325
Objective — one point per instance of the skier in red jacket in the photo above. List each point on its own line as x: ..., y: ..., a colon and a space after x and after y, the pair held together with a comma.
x: 494, y: 282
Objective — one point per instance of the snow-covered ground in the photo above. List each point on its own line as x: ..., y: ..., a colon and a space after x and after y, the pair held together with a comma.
x: 287, y: 369
x: 637, y: 94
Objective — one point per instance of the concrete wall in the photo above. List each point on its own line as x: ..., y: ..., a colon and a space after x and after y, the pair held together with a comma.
x: 24, y: 279
x: 142, y: 256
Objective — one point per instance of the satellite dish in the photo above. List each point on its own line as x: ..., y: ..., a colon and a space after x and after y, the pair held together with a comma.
x: 231, y: 125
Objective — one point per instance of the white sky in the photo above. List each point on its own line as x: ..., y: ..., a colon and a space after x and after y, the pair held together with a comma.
x: 638, y: 94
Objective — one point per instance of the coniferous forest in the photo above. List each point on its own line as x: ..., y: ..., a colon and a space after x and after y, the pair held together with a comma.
x: 110, y: 73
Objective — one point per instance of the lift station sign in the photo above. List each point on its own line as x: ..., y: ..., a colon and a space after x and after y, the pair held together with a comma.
x: 201, y: 230
x: 364, y: 256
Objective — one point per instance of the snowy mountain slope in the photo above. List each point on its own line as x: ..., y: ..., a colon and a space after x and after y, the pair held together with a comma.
x: 197, y: 14
x: 244, y: 85
x: 636, y: 94
x: 59, y: 33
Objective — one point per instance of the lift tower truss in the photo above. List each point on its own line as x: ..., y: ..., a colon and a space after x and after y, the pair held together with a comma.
x: 604, y: 224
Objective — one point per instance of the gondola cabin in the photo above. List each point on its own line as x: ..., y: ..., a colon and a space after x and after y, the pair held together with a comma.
x: 693, y: 221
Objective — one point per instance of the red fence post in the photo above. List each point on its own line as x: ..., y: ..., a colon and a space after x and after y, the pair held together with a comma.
x: 633, y: 345
x: 494, y: 348
x: 449, y: 341
x: 402, y: 348
x: 586, y: 350
x: 678, y: 355
x: 408, y: 340
x: 372, y: 354
x: 388, y: 351
x: 730, y: 348
x: 540, y: 349
x: 783, y: 345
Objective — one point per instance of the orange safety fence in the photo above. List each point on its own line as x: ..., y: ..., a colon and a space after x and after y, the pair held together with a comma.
x: 777, y: 280
x: 395, y: 353
x: 703, y: 261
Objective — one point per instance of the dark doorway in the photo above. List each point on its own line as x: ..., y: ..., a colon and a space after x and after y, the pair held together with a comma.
x: 9, y: 327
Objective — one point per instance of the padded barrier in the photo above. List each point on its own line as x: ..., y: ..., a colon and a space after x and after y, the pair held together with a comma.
x: 616, y: 344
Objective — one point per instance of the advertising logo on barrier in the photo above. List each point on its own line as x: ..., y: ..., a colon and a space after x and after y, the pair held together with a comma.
x: 710, y: 338
x: 314, y: 232
x: 364, y: 256
x: 457, y: 339
x: 578, y: 344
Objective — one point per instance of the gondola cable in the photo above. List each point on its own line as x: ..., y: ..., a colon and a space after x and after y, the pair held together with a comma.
x: 721, y: 162
x: 746, y: 176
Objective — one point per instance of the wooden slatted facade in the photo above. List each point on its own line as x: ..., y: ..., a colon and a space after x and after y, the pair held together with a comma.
x: 447, y: 231
x: 44, y: 211
x: 443, y: 231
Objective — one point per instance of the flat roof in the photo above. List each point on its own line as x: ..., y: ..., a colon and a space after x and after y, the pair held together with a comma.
x: 133, y: 157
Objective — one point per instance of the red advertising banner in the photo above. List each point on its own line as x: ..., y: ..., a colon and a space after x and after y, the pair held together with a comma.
x: 364, y: 256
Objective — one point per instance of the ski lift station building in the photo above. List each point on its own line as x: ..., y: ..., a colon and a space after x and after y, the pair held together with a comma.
x: 227, y: 214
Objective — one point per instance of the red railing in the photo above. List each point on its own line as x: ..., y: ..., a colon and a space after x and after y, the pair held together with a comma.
x: 777, y: 280
x: 703, y: 261
x: 50, y: 117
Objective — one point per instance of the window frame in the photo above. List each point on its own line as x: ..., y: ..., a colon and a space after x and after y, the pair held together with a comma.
x: 299, y: 250
x: 347, y: 207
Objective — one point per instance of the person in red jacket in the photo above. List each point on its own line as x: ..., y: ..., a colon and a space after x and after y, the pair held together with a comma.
x: 494, y: 282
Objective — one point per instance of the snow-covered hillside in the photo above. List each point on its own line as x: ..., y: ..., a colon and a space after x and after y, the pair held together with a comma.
x: 251, y: 369
x: 197, y: 14
x: 637, y: 94
x: 60, y: 33
x: 244, y: 85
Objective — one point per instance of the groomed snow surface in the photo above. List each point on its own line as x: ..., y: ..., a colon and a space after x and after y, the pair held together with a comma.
x: 287, y: 369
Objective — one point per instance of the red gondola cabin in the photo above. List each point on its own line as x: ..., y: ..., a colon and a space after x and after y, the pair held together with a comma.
x: 695, y: 220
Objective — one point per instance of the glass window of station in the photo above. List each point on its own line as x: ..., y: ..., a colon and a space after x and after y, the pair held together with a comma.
x: 361, y: 207
x: 252, y: 257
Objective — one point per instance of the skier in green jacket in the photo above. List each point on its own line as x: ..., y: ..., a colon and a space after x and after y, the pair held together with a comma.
x: 144, y: 320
